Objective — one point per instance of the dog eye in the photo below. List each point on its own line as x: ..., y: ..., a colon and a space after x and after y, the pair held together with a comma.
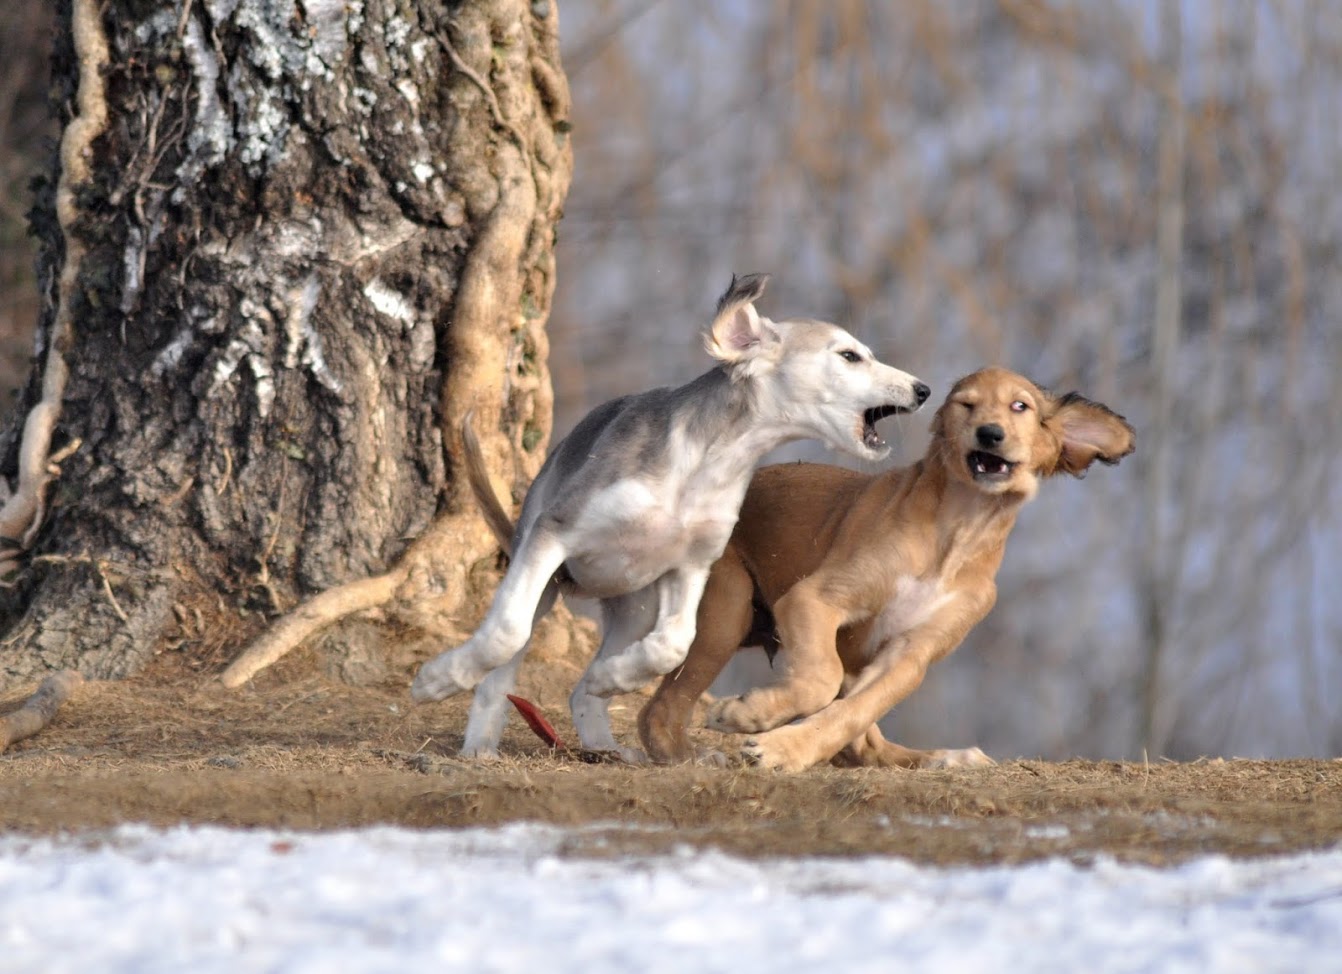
x: 848, y: 355
x: 1019, y: 407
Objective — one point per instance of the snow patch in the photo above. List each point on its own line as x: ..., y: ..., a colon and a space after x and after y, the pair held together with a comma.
x: 521, y: 898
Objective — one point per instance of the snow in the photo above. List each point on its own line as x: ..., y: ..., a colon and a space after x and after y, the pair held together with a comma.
x: 530, y: 897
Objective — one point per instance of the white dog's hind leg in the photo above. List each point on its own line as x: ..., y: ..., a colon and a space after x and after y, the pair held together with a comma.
x: 662, y: 649
x: 505, y: 630
x: 489, y: 711
x: 624, y: 620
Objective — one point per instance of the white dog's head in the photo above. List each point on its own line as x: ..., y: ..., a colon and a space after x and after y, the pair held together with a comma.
x: 811, y: 374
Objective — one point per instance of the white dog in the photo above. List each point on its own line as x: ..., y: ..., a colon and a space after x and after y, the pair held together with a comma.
x: 636, y: 504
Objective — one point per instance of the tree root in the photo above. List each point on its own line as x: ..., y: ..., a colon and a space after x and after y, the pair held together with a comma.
x: 24, y: 511
x: 38, y: 710
x: 312, y: 616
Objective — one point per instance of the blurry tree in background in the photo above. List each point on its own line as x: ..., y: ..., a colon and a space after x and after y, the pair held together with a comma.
x: 1133, y: 199
x: 1059, y: 187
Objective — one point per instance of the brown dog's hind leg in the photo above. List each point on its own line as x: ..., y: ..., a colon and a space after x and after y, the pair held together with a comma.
x: 723, y: 619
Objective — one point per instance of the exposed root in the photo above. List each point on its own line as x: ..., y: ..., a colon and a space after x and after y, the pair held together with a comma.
x: 38, y: 710
x: 313, y: 615
x: 25, y: 509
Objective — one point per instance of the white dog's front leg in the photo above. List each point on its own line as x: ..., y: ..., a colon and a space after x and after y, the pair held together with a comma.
x: 505, y: 630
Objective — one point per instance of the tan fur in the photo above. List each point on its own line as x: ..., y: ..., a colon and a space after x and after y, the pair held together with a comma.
x: 872, y: 579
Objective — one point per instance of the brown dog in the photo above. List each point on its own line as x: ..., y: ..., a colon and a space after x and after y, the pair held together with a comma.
x: 891, y: 570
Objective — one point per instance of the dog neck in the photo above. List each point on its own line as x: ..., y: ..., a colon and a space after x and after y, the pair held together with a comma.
x: 970, y: 525
x: 747, y: 420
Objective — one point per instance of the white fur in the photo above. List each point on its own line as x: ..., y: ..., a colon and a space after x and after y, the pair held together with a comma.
x: 914, y: 602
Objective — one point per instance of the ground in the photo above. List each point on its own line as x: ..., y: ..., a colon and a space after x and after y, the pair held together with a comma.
x: 297, y: 749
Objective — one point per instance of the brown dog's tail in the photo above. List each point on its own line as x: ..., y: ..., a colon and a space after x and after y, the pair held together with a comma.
x: 490, y: 506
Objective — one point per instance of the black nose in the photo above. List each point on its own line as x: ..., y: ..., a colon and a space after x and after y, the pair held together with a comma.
x: 990, y: 434
x: 921, y: 392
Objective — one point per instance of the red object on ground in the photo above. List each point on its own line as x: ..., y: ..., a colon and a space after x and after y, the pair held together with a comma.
x: 536, y: 720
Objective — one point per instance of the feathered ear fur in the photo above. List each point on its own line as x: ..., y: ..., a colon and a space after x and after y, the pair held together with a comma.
x: 938, y: 427
x: 739, y: 337
x: 1088, y: 431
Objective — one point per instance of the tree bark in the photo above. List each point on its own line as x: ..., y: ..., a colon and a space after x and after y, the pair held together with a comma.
x: 308, y: 238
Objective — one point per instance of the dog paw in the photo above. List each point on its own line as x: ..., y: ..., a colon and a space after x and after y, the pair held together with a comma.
x: 735, y: 715
x: 484, y: 753
x: 711, y: 757
x: 969, y: 757
x: 751, y: 754
x: 764, y: 752
x: 612, y: 755
x: 633, y: 755
x: 440, y: 678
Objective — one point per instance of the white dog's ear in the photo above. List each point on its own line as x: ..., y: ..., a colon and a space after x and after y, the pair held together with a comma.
x: 739, y: 335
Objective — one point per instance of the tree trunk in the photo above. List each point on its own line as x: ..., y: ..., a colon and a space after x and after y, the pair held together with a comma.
x: 300, y: 240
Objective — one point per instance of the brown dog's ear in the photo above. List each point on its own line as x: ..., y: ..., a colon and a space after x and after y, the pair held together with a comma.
x: 938, y: 427
x: 739, y: 336
x: 1088, y: 431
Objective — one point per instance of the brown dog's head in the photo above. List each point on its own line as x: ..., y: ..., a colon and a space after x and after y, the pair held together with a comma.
x: 1000, y: 432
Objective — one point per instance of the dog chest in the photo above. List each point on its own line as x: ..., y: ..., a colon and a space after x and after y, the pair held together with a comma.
x: 914, y: 601
x: 631, y: 533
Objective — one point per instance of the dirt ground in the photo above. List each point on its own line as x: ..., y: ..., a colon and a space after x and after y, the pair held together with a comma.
x: 295, y: 749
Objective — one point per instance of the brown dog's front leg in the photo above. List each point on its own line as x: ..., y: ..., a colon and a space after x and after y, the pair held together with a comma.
x: 872, y: 750
x: 896, y: 672
x: 723, y: 620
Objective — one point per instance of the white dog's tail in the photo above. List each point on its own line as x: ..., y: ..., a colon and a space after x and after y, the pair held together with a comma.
x: 478, y: 477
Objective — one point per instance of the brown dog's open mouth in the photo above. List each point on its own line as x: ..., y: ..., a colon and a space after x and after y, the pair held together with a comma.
x: 870, y: 438
x: 988, y: 466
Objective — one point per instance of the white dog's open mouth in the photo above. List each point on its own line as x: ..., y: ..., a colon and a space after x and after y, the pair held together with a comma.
x: 870, y: 437
x: 988, y: 466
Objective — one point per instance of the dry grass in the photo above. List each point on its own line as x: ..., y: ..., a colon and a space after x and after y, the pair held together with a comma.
x: 295, y: 749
